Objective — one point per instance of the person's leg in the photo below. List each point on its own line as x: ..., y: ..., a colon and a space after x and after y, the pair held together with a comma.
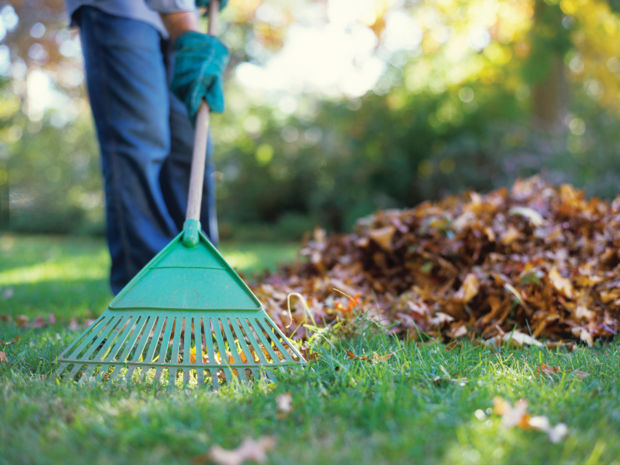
x: 127, y: 86
x: 175, y: 172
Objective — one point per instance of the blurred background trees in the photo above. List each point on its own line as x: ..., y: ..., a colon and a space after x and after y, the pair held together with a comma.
x: 336, y: 108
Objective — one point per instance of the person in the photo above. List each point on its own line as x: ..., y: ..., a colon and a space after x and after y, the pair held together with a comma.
x: 135, y: 52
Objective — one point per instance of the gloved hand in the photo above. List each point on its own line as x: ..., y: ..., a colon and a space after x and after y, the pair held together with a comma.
x: 199, y: 64
x: 204, y: 3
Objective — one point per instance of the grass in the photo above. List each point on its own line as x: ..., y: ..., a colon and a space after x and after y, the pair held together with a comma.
x: 425, y: 405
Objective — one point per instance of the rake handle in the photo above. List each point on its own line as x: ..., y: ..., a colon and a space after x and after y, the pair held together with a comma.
x: 196, y: 179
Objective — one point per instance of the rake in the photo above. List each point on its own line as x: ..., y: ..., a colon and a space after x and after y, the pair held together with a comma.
x: 186, y: 317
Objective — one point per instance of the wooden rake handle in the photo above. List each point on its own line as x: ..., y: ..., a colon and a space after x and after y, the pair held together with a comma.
x: 196, y: 179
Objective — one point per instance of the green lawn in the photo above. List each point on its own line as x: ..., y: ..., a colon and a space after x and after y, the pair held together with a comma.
x: 425, y: 405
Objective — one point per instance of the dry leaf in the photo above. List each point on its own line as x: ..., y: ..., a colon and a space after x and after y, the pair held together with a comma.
x: 519, y: 417
x: 580, y: 374
x: 383, y: 237
x: 520, y: 339
x: 21, y: 320
x: 250, y: 450
x: 468, y: 289
x: 532, y: 243
x: 284, y: 404
x: 586, y: 337
x: 561, y: 284
x: 376, y: 358
x: 547, y: 370
x: 3, y: 358
x: 8, y: 343
x: 532, y: 215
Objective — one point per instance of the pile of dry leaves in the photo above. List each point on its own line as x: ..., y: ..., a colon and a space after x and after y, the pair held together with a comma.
x: 534, y: 259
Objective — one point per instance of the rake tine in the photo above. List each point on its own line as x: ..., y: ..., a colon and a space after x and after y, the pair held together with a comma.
x: 141, y: 338
x: 187, y: 348
x: 281, y: 337
x: 220, y: 342
x: 257, y: 348
x: 81, y: 338
x: 232, y: 345
x: 88, y: 336
x: 104, y: 349
x: 120, y: 340
x: 274, y: 358
x: 131, y: 331
x: 62, y: 367
x: 240, y: 337
x: 152, y: 346
x: 172, y: 372
x: 209, y: 340
x: 198, y: 339
x: 131, y: 327
x: 281, y: 348
x: 165, y: 342
x: 100, y: 338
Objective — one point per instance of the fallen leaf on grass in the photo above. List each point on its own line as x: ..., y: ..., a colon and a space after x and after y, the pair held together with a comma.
x: 250, y: 450
x: 375, y: 358
x: 580, y: 374
x: 3, y: 358
x: 39, y: 322
x: 8, y: 343
x: 516, y: 338
x: 518, y: 416
x: 547, y: 370
x: 21, y: 320
x: 284, y: 404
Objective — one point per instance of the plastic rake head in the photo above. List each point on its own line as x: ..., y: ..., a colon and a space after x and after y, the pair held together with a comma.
x: 187, y: 317
x: 186, y: 348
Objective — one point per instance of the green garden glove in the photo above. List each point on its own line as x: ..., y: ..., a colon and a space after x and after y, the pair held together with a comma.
x: 204, y: 3
x: 199, y: 63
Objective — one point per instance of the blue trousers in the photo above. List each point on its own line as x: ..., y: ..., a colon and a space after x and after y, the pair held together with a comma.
x: 145, y: 139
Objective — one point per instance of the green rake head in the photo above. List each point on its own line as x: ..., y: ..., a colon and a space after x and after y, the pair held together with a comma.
x: 188, y: 318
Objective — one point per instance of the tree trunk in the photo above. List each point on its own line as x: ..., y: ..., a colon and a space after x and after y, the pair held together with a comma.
x: 550, y: 98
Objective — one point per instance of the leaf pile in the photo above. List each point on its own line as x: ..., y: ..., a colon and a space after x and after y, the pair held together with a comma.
x: 533, y: 259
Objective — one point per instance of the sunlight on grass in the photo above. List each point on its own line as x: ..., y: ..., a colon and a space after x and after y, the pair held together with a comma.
x: 74, y: 269
x: 242, y: 260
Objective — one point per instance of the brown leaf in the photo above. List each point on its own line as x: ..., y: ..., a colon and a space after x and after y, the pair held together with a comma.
x: 8, y: 343
x: 250, y: 450
x: 561, y: 284
x: 376, y: 358
x: 21, y: 320
x: 548, y: 370
x: 383, y: 237
x: 469, y: 288
x: 3, y: 358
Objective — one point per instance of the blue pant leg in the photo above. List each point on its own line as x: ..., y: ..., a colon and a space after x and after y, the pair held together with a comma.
x: 176, y: 170
x: 127, y: 87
